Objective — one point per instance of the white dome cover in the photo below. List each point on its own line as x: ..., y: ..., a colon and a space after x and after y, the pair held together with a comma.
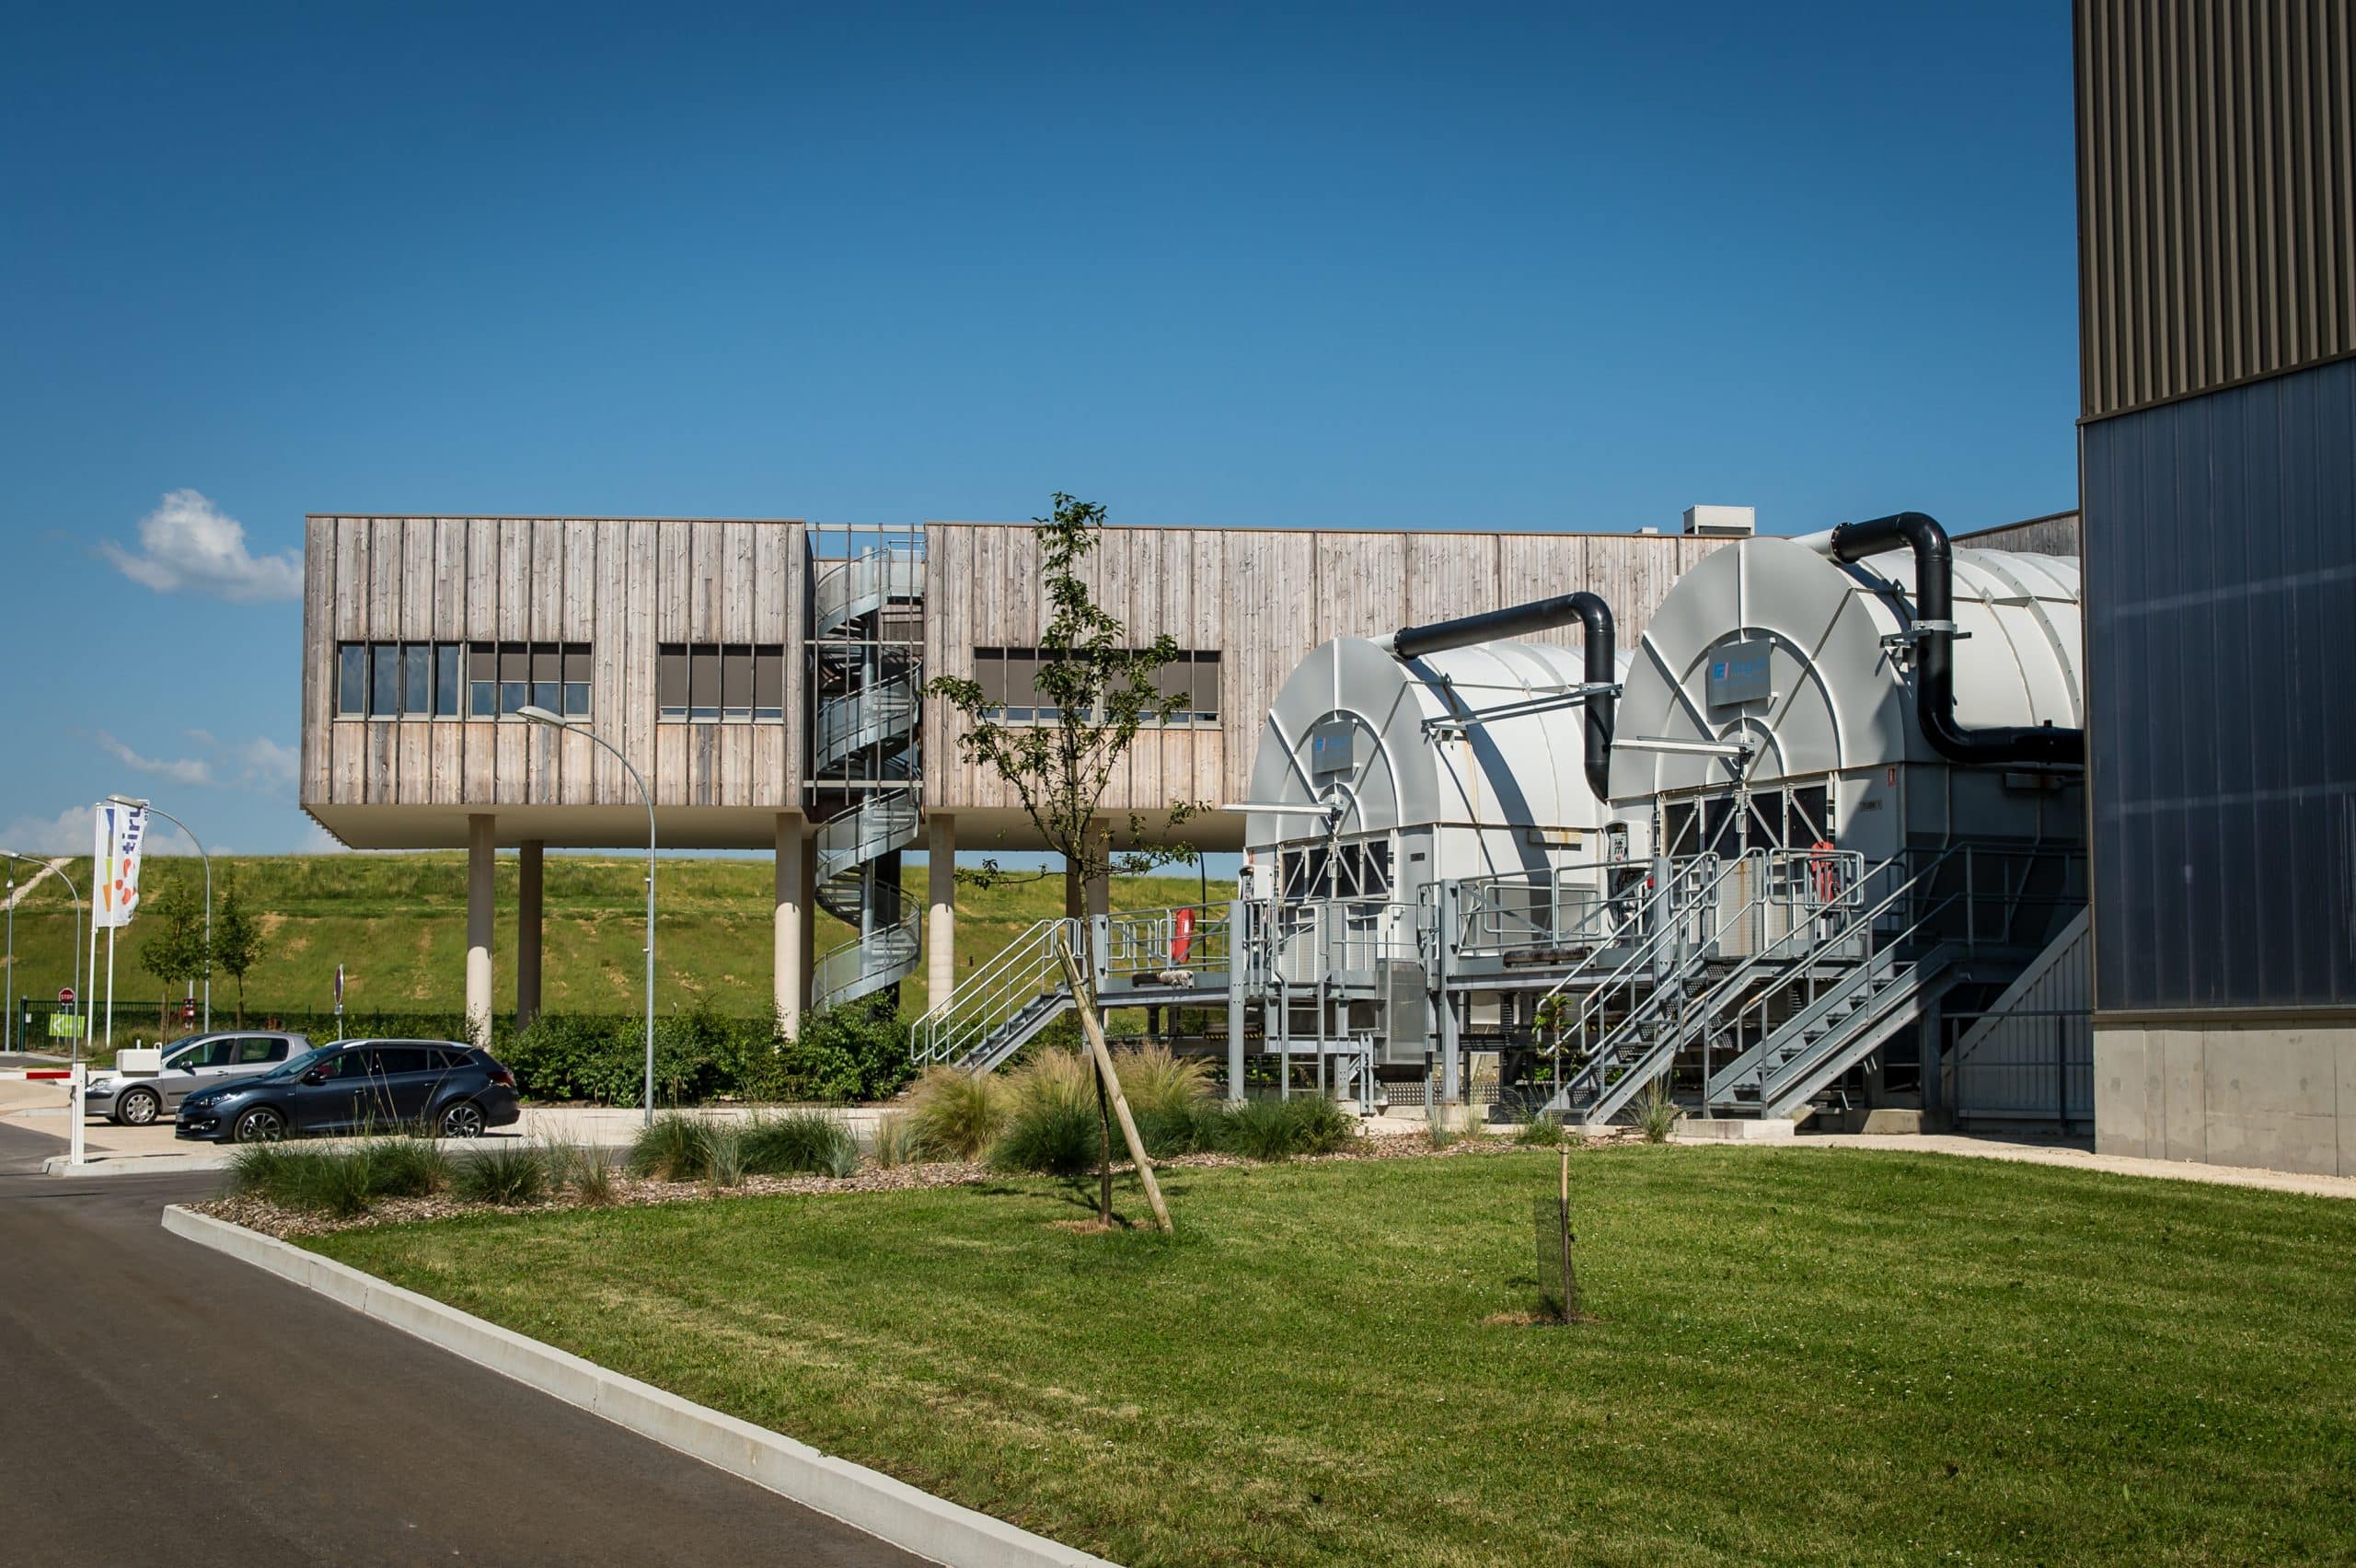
x: 1839, y: 700
x: 1526, y: 772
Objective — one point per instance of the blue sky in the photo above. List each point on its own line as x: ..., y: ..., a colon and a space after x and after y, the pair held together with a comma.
x: 1561, y: 267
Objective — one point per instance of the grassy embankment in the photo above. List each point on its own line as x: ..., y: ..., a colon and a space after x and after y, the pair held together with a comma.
x: 1825, y: 1356
x: 397, y: 923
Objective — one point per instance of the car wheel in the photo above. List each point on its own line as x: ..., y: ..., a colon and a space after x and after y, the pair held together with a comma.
x: 138, y: 1107
x: 260, y: 1125
x: 463, y: 1120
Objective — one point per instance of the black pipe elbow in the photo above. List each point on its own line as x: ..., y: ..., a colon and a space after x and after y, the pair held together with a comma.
x: 1934, y: 651
x: 1599, y: 633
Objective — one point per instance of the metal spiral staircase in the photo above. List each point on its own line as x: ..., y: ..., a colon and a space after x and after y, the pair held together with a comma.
x: 864, y: 762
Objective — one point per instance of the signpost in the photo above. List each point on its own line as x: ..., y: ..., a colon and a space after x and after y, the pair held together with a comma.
x: 338, y: 1001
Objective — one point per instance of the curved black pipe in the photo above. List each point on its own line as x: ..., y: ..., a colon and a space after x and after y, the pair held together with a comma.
x: 1935, y: 652
x: 1602, y: 647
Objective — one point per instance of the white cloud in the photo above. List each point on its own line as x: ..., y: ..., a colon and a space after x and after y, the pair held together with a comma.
x: 74, y: 832
x: 178, y: 770
x: 268, y: 765
x: 68, y: 833
x: 188, y: 544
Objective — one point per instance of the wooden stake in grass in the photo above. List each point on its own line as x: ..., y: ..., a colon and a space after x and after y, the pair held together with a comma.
x: 1108, y: 1082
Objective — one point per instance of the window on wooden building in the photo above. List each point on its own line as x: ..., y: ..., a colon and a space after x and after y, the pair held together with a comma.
x: 714, y: 682
x: 1010, y: 681
x: 412, y: 680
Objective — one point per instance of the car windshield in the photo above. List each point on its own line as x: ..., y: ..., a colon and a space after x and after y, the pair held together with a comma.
x: 296, y: 1066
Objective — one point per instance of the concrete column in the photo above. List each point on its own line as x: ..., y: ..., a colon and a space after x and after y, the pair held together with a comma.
x: 809, y: 899
x: 939, y: 908
x: 527, y: 934
x: 792, y: 974
x: 482, y: 859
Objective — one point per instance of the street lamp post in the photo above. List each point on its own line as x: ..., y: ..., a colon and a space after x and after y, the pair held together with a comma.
x: 542, y: 716
x: 151, y: 806
x: 82, y: 998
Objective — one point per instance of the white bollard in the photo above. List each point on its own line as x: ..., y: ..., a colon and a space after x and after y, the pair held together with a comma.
x: 74, y: 1087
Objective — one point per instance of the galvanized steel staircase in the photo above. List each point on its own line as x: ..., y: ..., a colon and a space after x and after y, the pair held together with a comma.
x: 863, y: 745
x: 858, y: 884
x: 1004, y: 1005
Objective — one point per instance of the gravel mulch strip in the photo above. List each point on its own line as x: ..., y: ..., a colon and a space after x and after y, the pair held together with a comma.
x: 632, y: 1192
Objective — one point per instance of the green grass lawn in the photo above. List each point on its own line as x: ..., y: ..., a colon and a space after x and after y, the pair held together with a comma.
x: 397, y: 923
x: 1816, y: 1354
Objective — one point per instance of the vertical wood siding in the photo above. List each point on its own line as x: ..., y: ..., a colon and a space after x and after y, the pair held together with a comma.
x: 619, y: 586
x: 1262, y: 599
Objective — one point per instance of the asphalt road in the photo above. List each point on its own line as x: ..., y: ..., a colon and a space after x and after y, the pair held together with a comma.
x: 162, y: 1403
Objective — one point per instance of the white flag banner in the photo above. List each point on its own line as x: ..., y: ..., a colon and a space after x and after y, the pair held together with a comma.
x: 119, y: 832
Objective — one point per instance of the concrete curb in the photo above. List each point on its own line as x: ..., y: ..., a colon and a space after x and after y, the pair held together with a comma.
x: 931, y: 1528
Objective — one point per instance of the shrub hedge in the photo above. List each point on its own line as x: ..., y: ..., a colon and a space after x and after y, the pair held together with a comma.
x: 849, y: 1054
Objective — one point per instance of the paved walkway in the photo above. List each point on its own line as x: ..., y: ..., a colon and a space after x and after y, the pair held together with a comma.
x: 2077, y: 1156
x: 168, y: 1405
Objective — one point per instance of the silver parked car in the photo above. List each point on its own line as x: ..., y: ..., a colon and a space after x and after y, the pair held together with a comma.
x: 199, y: 1062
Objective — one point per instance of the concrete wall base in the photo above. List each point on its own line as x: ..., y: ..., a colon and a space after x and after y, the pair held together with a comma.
x: 2273, y: 1096
x: 1735, y: 1129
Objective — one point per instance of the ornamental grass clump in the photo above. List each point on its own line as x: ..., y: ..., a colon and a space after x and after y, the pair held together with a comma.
x: 586, y: 1169
x: 956, y: 1115
x: 799, y: 1143
x: 896, y: 1141
x: 1540, y: 1131
x: 511, y: 1174
x: 1278, y: 1129
x: 1169, y: 1099
x: 1657, y: 1112
x: 1052, y: 1125
x: 341, y: 1180
x: 724, y: 1155
x: 673, y: 1148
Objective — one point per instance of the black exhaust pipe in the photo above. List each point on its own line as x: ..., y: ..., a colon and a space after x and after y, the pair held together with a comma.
x: 1602, y: 647
x: 1934, y: 655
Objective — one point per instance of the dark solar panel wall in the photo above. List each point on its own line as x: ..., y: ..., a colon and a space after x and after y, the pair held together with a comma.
x: 2216, y: 193
x: 2221, y: 587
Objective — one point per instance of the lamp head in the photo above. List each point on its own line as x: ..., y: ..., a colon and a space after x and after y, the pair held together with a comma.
x: 126, y: 801
x: 542, y: 716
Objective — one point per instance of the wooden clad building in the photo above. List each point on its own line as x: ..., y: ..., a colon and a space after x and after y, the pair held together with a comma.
x: 691, y: 646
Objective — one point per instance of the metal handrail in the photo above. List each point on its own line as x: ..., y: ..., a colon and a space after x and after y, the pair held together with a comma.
x: 1145, y: 941
x: 885, y: 955
x: 878, y: 824
x: 846, y: 723
x: 959, y: 1023
x: 853, y: 586
x: 1680, y: 896
x: 1775, y: 891
x: 1488, y: 924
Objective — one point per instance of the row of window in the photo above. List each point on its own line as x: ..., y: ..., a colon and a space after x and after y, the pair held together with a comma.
x: 693, y: 682
x: 428, y: 680
x: 1010, y: 683
x: 720, y: 680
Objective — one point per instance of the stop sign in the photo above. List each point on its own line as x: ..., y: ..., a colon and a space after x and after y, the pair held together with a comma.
x: 66, y: 995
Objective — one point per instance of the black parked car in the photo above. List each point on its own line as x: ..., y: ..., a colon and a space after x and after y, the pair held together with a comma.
x: 358, y: 1086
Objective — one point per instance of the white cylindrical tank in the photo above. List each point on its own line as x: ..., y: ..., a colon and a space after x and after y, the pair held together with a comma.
x: 1347, y: 742
x: 1771, y: 646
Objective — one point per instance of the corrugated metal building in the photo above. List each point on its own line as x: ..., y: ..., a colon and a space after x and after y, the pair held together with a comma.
x: 2217, y: 223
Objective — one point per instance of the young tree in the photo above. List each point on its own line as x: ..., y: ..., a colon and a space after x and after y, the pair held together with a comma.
x: 1100, y: 691
x: 238, y: 940
x: 174, y: 951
